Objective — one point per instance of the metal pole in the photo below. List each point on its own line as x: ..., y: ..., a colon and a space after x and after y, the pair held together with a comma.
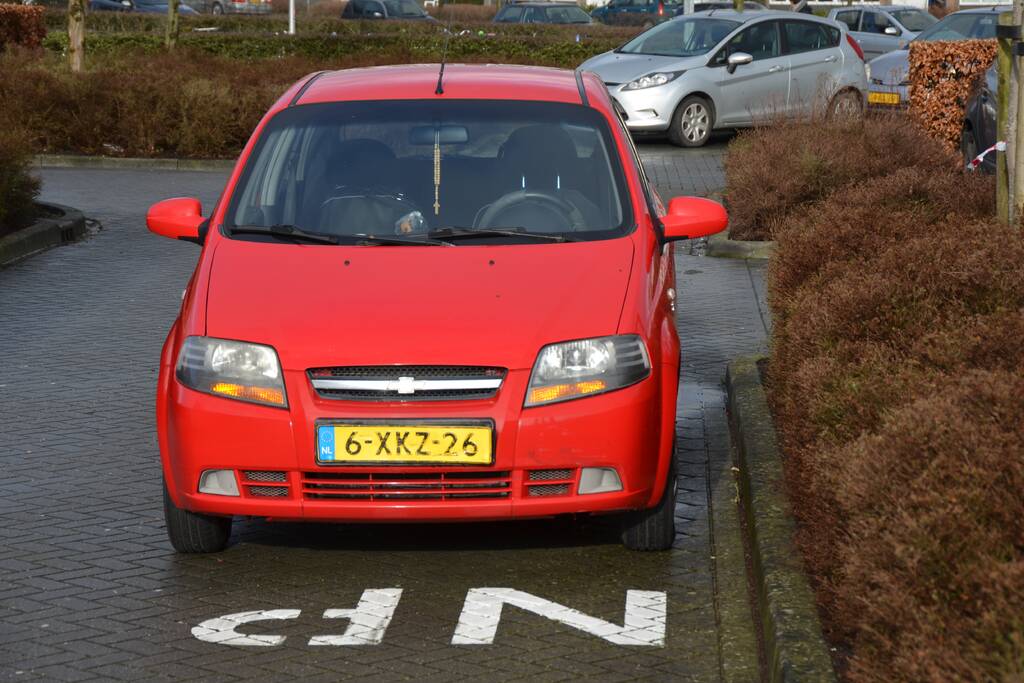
x: 1005, y: 66
x: 291, y: 17
x: 1017, y: 194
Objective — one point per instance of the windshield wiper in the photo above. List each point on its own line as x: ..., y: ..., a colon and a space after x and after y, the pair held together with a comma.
x: 292, y: 232
x: 285, y: 231
x: 454, y: 232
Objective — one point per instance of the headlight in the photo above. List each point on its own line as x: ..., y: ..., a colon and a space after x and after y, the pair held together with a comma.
x: 583, y: 368
x: 653, y: 80
x: 233, y: 369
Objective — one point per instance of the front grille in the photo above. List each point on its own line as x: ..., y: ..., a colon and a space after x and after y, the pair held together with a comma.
x: 388, y: 485
x: 407, y: 382
x: 253, y: 475
x: 548, y: 475
x: 268, y: 491
x: 549, y: 490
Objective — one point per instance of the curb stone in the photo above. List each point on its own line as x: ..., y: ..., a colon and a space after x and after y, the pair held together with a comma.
x: 795, y: 649
x: 67, y: 225
x: 75, y: 161
x: 722, y: 247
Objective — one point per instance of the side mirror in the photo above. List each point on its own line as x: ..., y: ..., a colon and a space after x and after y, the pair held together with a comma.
x: 179, y: 218
x: 891, y: 31
x: 738, y: 59
x: 692, y: 217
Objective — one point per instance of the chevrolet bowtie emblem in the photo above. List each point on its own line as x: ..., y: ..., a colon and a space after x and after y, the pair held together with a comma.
x: 406, y: 385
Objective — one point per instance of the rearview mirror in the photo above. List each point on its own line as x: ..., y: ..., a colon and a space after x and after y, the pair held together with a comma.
x: 179, y: 218
x: 738, y: 59
x: 443, y: 135
x: 891, y: 31
x: 693, y: 217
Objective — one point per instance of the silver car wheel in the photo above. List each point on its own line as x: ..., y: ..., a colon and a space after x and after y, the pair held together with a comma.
x: 695, y: 122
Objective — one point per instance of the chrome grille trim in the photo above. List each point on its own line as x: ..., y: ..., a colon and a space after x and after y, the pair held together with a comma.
x: 407, y: 382
x: 407, y: 388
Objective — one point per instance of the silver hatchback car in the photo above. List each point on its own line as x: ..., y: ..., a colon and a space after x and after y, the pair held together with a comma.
x: 727, y: 69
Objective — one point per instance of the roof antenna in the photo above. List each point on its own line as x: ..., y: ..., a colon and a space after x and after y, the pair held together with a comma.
x: 444, y: 54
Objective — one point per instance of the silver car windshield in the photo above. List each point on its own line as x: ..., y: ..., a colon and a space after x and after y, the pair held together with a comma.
x: 962, y: 27
x: 687, y: 37
x: 913, y: 19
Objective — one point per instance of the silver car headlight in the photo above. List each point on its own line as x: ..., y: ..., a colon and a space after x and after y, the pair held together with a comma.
x: 232, y: 369
x: 587, y: 367
x: 653, y: 80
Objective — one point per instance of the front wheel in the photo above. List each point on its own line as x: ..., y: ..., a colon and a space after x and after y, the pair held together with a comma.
x: 846, y: 106
x: 654, y: 529
x: 191, y: 532
x: 217, y: 8
x: 692, y: 122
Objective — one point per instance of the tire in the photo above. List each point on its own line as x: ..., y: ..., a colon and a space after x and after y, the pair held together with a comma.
x: 654, y: 529
x: 692, y: 122
x: 217, y: 9
x: 846, y: 106
x: 646, y: 25
x: 191, y: 532
x: 968, y: 146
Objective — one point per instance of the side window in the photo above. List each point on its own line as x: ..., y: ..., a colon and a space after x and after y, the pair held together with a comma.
x: 851, y: 18
x: 533, y: 15
x: 805, y: 36
x: 875, y: 22
x: 761, y: 41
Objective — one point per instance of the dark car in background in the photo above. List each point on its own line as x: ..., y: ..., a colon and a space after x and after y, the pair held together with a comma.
x: 232, y: 7
x: 143, y: 6
x: 385, y: 9
x: 645, y: 13
x: 721, y: 4
x: 980, y: 130
x: 541, y: 12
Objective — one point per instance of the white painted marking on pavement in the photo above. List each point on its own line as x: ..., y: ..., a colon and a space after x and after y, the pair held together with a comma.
x: 367, y: 622
x: 221, y: 630
x: 644, y: 622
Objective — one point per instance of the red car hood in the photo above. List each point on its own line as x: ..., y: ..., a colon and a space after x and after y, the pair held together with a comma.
x: 465, y: 305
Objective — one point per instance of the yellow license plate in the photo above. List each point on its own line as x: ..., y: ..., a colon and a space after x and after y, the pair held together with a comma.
x: 883, y: 98
x: 407, y: 444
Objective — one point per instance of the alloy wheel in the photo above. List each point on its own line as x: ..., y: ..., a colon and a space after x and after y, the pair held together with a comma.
x: 695, y: 122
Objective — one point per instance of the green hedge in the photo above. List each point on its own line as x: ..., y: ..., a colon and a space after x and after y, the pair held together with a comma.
x: 404, y: 48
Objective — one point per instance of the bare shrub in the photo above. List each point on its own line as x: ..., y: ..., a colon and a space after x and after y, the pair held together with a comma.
x: 772, y: 173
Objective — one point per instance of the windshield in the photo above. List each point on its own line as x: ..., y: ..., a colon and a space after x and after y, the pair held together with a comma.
x: 687, y: 37
x: 962, y: 27
x: 403, y: 8
x: 406, y: 168
x: 913, y: 19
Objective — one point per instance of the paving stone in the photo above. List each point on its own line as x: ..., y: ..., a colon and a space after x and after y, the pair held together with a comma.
x: 89, y: 586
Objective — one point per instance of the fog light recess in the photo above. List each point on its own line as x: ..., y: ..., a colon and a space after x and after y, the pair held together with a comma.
x: 599, y: 480
x: 218, y: 482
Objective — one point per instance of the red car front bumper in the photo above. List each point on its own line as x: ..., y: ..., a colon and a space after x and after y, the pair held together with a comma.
x: 538, y: 457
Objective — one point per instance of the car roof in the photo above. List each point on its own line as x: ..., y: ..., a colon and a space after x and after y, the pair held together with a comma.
x: 461, y: 81
x: 984, y: 10
x: 758, y: 15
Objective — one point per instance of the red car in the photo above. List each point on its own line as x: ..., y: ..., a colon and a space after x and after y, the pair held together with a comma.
x: 427, y: 296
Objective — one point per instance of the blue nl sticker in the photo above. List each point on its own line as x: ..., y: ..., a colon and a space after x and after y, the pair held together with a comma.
x: 325, y: 443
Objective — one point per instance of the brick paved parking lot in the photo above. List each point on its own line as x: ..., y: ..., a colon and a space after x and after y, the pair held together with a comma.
x: 89, y: 586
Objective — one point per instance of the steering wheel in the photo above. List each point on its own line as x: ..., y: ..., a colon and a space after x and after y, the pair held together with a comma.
x: 548, y: 203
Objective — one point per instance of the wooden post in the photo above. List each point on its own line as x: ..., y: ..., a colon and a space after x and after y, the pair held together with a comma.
x: 76, y: 34
x: 1017, y: 191
x: 171, y: 39
x: 1005, y: 65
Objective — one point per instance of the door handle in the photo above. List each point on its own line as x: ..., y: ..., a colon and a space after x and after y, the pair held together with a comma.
x: 830, y: 58
x: 775, y: 69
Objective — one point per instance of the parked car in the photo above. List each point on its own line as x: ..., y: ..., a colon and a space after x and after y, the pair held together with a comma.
x: 231, y: 7
x: 542, y: 12
x: 889, y: 74
x: 720, y: 4
x: 645, y: 13
x: 728, y: 69
x: 432, y: 299
x: 880, y: 29
x: 143, y: 6
x: 385, y: 9
x: 980, y: 130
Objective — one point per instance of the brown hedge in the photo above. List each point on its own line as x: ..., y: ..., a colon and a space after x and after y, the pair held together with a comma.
x: 942, y: 74
x: 774, y: 173
x: 22, y: 25
x: 896, y: 382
